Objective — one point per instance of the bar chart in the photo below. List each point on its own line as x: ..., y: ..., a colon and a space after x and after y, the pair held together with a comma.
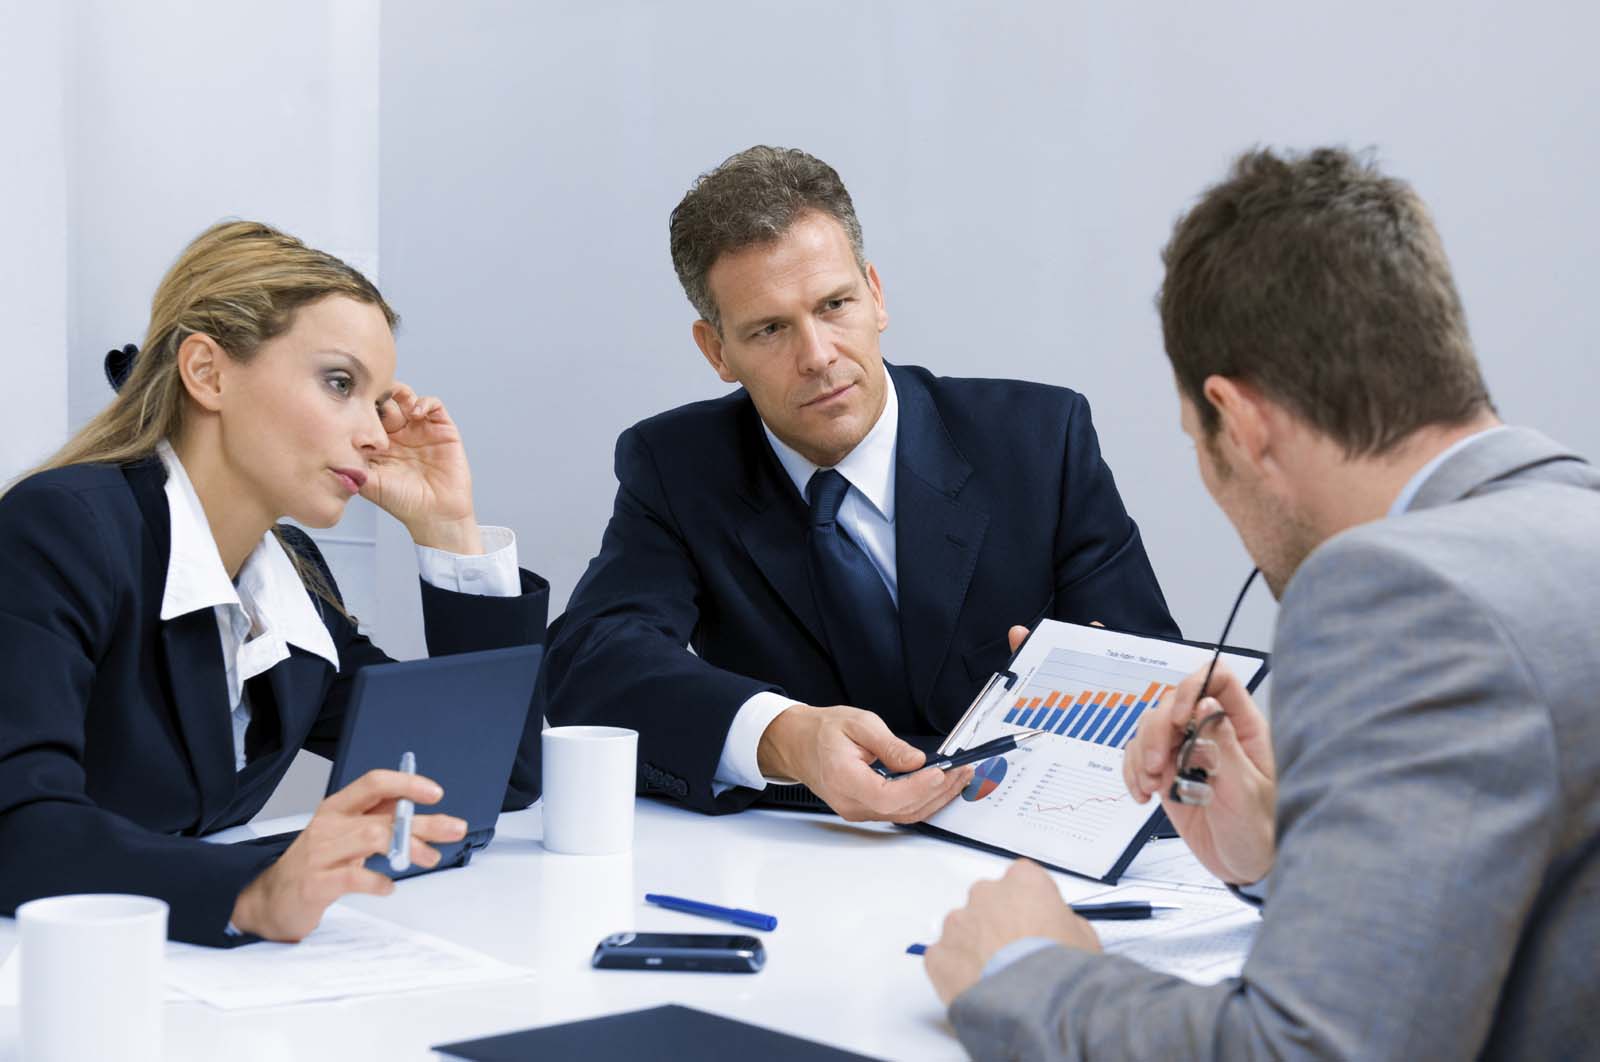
x: 1087, y: 698
x: 1061, y: 799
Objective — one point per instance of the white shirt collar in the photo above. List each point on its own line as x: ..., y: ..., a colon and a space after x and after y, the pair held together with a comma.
x: 1408, y: 493
x: 869, y: 467
x: 279, y: 607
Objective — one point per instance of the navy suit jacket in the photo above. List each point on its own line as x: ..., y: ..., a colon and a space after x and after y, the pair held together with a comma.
x: 116, y: 744
x: 1004, y: 514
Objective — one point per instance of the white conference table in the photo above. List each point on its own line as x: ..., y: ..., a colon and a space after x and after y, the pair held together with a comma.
x: 849, y: 898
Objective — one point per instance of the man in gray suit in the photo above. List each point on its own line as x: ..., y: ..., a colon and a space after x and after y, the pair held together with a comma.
x: 1422, y: 818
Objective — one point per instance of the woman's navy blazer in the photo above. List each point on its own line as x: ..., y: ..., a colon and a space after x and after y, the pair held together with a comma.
x: 116, y: 743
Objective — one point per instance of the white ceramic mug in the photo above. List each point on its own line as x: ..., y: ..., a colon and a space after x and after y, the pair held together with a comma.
x: 589, y: 774
x: 92, y: 977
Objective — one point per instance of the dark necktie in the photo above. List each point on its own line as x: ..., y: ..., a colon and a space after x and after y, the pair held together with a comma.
x: 859, y: 616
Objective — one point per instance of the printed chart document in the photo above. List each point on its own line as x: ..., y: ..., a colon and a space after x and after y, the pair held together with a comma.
x: 1060, y: 800
x: 1205, y: 940
x: 349, y: 954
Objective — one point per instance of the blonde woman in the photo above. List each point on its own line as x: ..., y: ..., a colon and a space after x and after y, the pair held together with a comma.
x: 166, y: 645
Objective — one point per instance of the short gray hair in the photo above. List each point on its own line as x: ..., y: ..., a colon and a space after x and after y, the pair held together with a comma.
x: 752, y: 198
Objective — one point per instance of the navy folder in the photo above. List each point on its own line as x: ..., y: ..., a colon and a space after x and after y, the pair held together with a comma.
x: 661, y: 1034
x: 462, y: 715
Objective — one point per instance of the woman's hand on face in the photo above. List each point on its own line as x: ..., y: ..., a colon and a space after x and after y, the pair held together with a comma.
x: 423, y: 479
x: 326, y: 861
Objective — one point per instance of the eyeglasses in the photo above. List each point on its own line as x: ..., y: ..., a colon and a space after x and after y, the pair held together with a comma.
x: 1197, y: 756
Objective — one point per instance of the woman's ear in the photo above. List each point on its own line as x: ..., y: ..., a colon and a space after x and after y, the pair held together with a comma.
x: 200, y: 363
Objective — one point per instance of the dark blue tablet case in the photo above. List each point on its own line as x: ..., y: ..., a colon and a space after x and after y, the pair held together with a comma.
x: 463, y: 717
x: 661, y: 1034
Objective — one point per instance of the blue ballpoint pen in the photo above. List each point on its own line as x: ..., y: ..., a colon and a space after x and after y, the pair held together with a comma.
x: 737, y: 915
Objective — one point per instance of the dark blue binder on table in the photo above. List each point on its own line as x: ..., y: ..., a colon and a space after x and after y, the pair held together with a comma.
x: 661, y: 1034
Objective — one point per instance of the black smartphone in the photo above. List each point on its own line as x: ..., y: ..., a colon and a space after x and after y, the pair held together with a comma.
x: 716, y: 952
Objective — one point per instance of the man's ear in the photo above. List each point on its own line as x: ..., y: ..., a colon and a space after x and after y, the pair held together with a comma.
x: 200, y: 364
x: 709, y: 340
x: 1246, y: 423
x: 875, y: 285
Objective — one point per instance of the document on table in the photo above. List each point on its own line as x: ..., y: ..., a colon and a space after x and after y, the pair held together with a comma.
x: 1169, y: 862
x: 1061, y: 800
x: 1205, y: 940
x: 349, y: 954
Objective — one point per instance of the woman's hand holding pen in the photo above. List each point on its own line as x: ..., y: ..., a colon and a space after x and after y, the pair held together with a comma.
x: 422, y: 479
x: 325, y: 862
x: 1233, y: 834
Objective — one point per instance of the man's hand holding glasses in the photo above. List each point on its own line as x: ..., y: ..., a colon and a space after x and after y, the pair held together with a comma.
x: 1232, y: 833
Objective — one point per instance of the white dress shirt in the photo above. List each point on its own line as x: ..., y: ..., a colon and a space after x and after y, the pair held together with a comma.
x: 267, y: 609
x: 867, y: 516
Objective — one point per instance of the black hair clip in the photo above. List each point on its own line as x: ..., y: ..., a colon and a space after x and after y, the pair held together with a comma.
x: 119, y: 365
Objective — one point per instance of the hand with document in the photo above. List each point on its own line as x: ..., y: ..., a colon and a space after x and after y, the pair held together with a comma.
x: 1114, y: 712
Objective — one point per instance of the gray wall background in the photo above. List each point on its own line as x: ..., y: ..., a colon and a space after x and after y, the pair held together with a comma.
x: 1016, y: 167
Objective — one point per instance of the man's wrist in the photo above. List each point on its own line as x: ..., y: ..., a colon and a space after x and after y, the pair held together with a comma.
x: 775, y: 753
x: 243, y: 917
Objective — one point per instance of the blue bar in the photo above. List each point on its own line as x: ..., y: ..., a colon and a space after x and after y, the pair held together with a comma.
x: 1111, y: 724
x: 1089, y: 710
x: 1011, y: 716
x: 1055, y: 714
x: 1127, y: 724
x: 1032, y: 717
x: 1094, y: 725
x: 1071, y: 715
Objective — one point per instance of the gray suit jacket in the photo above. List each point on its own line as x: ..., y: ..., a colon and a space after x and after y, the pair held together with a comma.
x: 1436, y: 722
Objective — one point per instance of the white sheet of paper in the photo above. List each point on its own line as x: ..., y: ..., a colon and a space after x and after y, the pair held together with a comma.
x: 1061, y: 799
x: 1169, y: 862
x: 350, y: 954
x: 1204, y: 941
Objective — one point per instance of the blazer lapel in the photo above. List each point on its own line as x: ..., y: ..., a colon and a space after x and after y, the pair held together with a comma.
x: 937, y: 535
x: 774, y: 535
x: 200, y: 694
x: 192, y: 655
x: 297, y: 686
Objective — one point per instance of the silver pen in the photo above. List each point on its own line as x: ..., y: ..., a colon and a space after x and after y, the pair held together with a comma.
x: 400, y: 843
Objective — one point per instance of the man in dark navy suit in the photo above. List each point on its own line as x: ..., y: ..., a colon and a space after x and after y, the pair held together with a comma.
x: 842, y: 543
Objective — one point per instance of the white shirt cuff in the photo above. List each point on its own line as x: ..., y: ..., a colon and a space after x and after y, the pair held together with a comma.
x: 1014, y: 952
x: 739, y: 765
x: 492, y: 573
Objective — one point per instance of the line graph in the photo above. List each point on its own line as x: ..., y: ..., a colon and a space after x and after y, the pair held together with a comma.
x: 1045, y: 809
x: 1075, y: 801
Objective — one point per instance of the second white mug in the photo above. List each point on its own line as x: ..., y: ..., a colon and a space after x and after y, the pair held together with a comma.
x: 588, y: 788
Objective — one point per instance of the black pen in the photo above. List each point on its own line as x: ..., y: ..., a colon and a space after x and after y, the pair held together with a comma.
x: 1117, y: 911
x: 966, y: 756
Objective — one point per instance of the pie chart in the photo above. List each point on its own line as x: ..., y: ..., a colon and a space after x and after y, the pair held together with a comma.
x: 986, y: 779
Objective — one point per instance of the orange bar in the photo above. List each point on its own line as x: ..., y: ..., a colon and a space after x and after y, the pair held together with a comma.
x: 1050, y: 701
x: 1022, y: 702
x: 1098, y: 698
x: 1150, y: 694
x: 1034, y: 703
x: 1083, y: 698
x: 1115, y: 698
